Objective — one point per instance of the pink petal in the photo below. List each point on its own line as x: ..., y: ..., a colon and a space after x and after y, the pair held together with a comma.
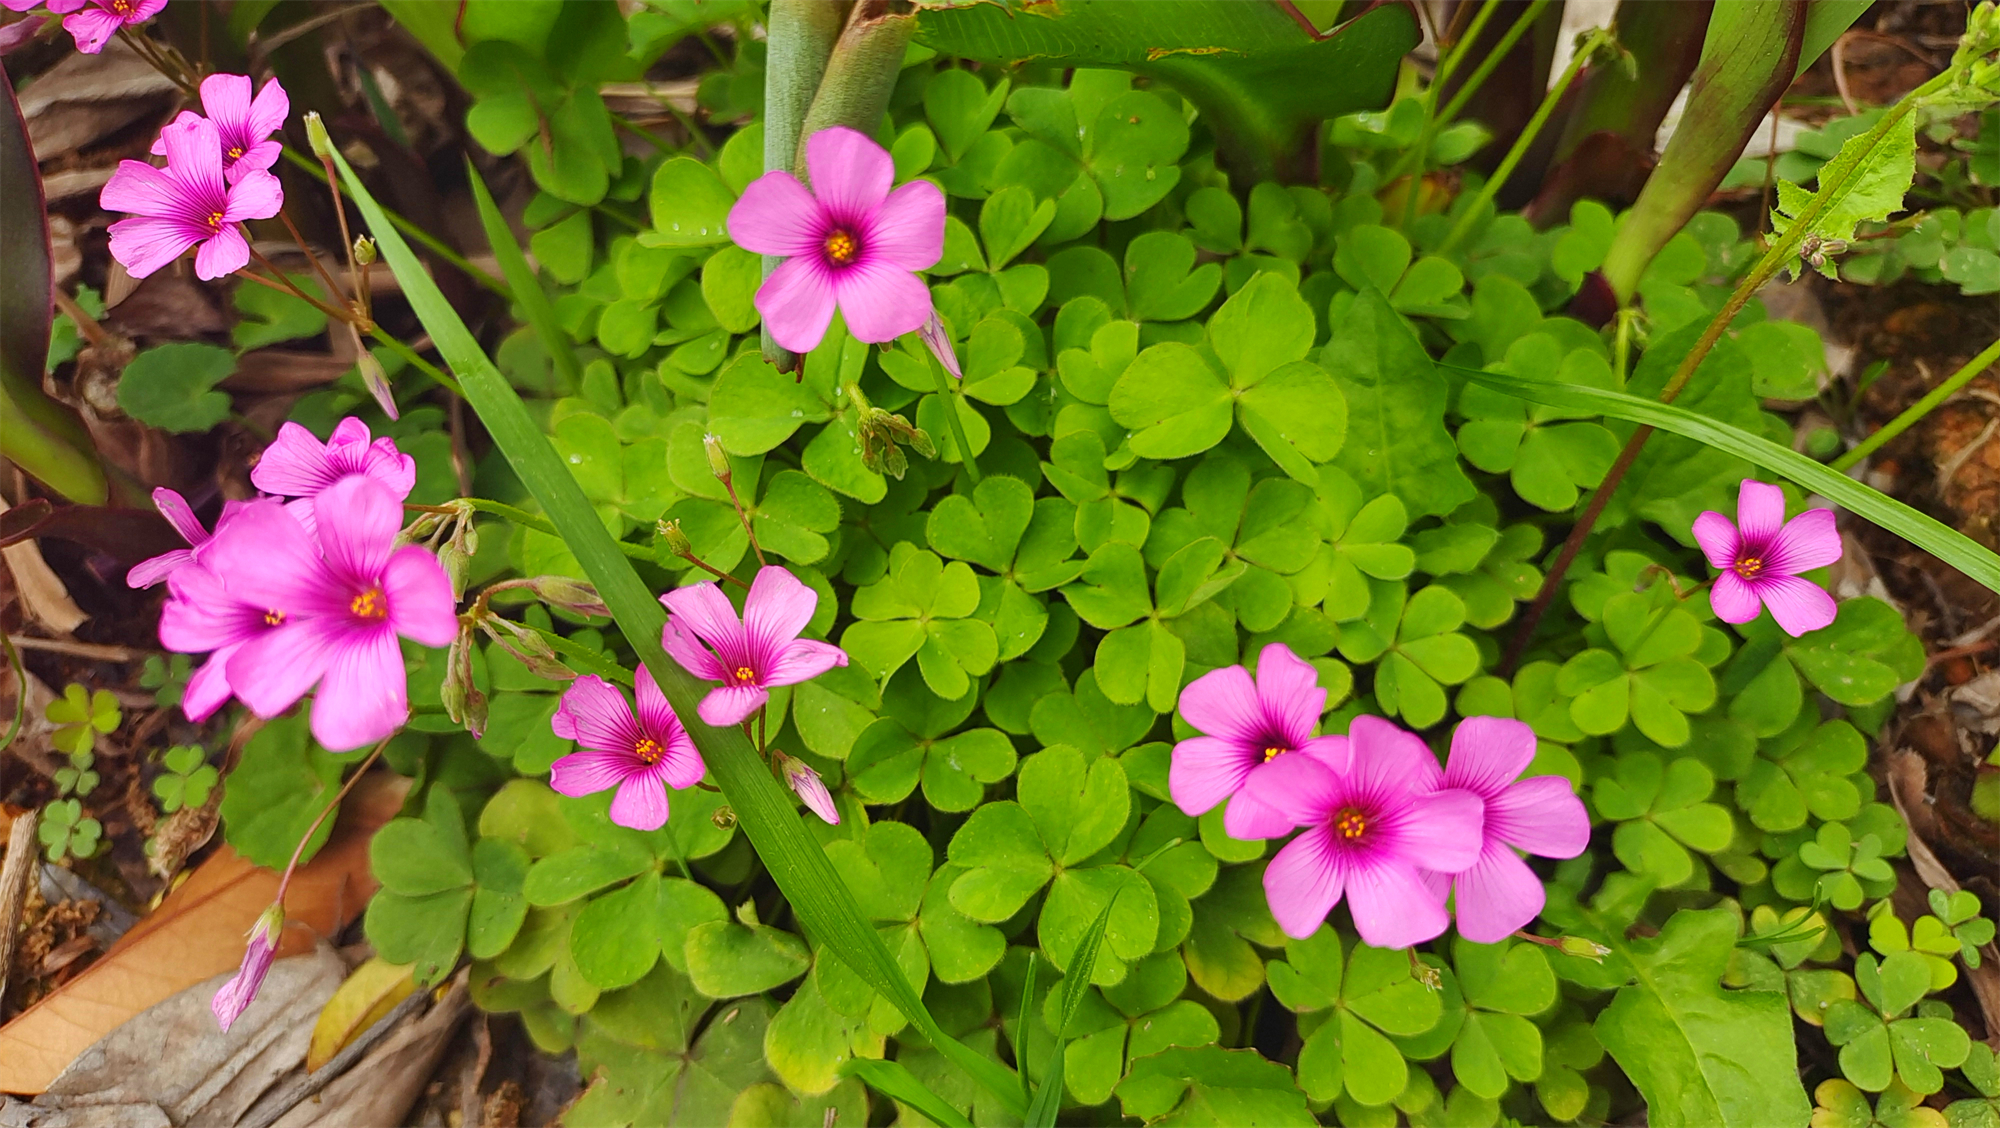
x: 812, y: 791
x: 140, y: 189
x: 204, y: 615
x: 1444, y: 830
x: 595, y: 715
x: 1497, y: 897
x: 175, y: 509
x: 1301, y: 788
x: 1250, y: 819
x: 194, y: 157
x: 682, y: 766
x: 680, y: 762
x: 908, y: 229
x: 1540, y: 814
x: 796, y: 303
x: 272, y: 671
x: 1488, y: 753
x: 1760, y: 511
x: 225, y: 98
x: 144, y: 244
x: 1205, y: 770
x: 257, y: 158
x: 145, y: 10
x: 880, y: 301
x: 1333, y: 751
x: 777, y: 216
x: 294, y: 465
x: 1388, y: 760
x: 222, y: 254
x: 271, y: 561
x: 1733, y: 598
x: 684, y: 648
x: 1392, y: 907
x: 146, y: 573
x: 389, y: 466
x: 1717, y: 537
x: 1799, y: 605
x: 18, y: 5
x: 1304, y: 882
x: 850, y: 173
x: 1288, y: 687
x: 420, y: 604
x: 1223, y: 702
x: 208, y: 686
x: 776, y: 610
x: 365, y: 696
x: 255, y: 195
x: 92, y: 27
x: 641, y: 802
x: 590, y: 771
x: 270, y: 109
x: 803, y: 660
x: 358, y: 521
x: 1807, y: 541
x: 703, y: 609
x: 731, y: 704
x: 20, y: 31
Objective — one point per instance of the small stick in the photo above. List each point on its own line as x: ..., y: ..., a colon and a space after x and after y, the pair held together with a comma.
x: 21, y: 855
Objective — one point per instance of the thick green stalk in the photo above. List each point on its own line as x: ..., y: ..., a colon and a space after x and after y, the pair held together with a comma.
x: 861, y: 72
x: 1921, y: 408
x: 800, y: 35
x: 1470, y: 217
x: 951, y: 398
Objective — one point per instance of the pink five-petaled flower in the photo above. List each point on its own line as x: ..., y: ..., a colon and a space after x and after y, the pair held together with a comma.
x: 344, y: 593
x: 243, y: 124
x: 1374, y: 821
x: 298, y: 465
x: 751, y: 655
x: 205, y: 615
x: 1540, y: 815
x: 235, y: 996
x: 181, y: 516
x: 94, y: 22
x: 640, y: 756
x: 186, y: 204
x: 1248, y: 726
x: 1760, y: 557
x: 805, y: 782
x: 850, y: 241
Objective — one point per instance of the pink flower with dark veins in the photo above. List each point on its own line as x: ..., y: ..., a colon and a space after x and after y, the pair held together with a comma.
x: 1759, y: 557
x: 176, y: 510
x: 187, y: 204
x: 94, y: 22
x: 1540, y: 815
x: 1248, y: 726
x: 235, y: 996
x: 639, y: 755
x: 204, y: 615
x: 347, y: 593
x: 297, y: 464
x: 243, y: 124
x: 750, y: 655
x: 848, y: 242
x: 1374, y: 821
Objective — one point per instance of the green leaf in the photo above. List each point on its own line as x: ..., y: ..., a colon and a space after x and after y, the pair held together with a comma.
x: 1210, y: 1085
x: 275, y: 792
x: 1176, y: 403
x: 690, y: 205
x: 270, y: 316
x: 726, y: 959
x: 171, y: 386
x: 1078, y: 810
x: 1871, y: 174
x: 1396, y: 441
x: 1698, y: 1054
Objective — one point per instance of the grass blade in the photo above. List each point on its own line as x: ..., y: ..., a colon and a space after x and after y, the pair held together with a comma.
x: 526, y: 286
x: 892, y: 1079
x: 825, y: 906
x: 1048, y: 1098
x: 1935, y: 537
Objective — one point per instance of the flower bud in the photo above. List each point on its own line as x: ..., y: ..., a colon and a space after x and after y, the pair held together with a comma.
x: 456, y: 564
x: 376, y: 379
x: 316, y: 135
x: 939, y: 342
x: 235, y: 996
x: 573, y: 596
x: 800, y: 777
x: 364, y: 250
x: 529, y: 647
x: 718, y: 459
x: 724, y: 818
x: 1584, y: 949
x: 677, y: 541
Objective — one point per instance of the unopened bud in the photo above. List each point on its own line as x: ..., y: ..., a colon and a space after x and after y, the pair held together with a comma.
x: 475, y: 713
x: 529, y: 647
x: 235, y: 996
x: 316, y: 135
x: 457, y: 565
x: 376, y: 379
x: 677, y: 541
x: 1584, y: 949
x: 718, y: 459
x: 571, y: 595
x: 939, y: 342
x: 724, y: 818
x: 422, y: 529
x: 364, y: 250
x: 805, y: 782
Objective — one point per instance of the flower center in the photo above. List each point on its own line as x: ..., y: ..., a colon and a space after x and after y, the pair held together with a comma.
x: 648, y: 750
x: 370, y: 604
x: 1274, y: 751
x: 122, y: 7
x: 1351, y: 823
x: 234, y: 152
x: 1750, y: 567
x: 274, y: 618
x: 841, y: 247
x: 745, y: 674
x: 214, y: 222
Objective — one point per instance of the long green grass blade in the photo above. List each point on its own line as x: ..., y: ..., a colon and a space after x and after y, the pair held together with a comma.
x: 1940, y: 540
x: 1048, y: 1098
x: 894, y: 1080
x: 824, y: 904
x: 521, y: 279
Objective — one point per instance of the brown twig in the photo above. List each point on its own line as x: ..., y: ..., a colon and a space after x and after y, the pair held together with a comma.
x: 90, y: 650
x: 22, y: 853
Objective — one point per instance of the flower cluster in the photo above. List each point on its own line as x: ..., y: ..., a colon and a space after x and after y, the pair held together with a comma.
x: 1383, y: 826
x: 289, y: 596
x: 216, y: 177
x: 92, y: 23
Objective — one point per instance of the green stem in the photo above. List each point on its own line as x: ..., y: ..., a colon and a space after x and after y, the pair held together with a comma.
x: 413, y: 231
x: 1921, y: 408
x: 1492, y: 60
x: 409, y: 354
x: 800, y: 36
x: 1470, y: 217
x: 1413, y: 160
x: 584, y: 656
x: 542, y: 524
x: 951, y: 400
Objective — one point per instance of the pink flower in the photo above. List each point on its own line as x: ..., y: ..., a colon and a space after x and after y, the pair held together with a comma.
x: 96, y: 21
x: 1374, y: 821
x: 641, y: 756
x: 205, y: 615
x: 342, y: 595
x: 186, y: 204
x: 748, y: 655
x: 235, y: 996
x: 1761, y: 556
x: 297, y: 464
x: 850, y: 241
x: 806, y: 783
x: 243, y: 125
x: 1249, y: 725
x: 1541, y: 815
x: 175, y: 509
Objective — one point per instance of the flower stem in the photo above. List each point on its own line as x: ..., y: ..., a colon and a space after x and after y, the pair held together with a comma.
x: 286, y: 287
x: 409, y: 354
x: 951, y: 401
x: 332, y: 287
x: 1921, y: 408
x: 522, y: 517
x: 742, y: 515
x: 430, y: 242
x: 332, y: 805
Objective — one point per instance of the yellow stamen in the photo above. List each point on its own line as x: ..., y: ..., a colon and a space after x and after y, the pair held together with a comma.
x: 274, y: 618
x: 214, y: 221
x: 1351, y: 824
x: 235, y: 152
x: 1750, y: 567
x: 1273, y: 752
x: 370, y: 604
x: 648, y: 750
x: 745, y: 674
x: 841, y: 247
